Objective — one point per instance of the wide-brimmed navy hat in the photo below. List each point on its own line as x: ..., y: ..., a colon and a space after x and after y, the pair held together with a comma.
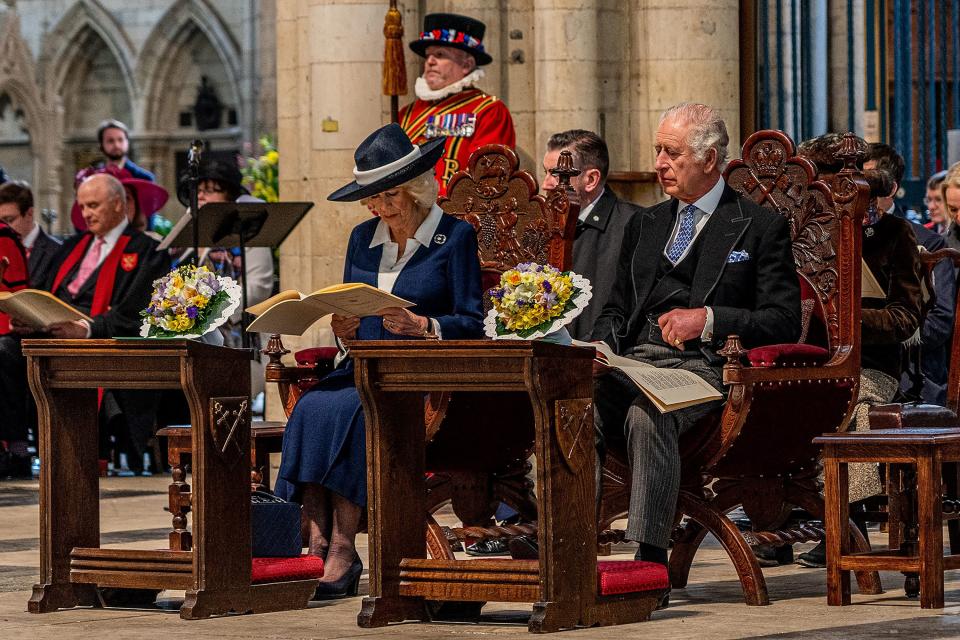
x: 384, y: 160
x: 452, y: 30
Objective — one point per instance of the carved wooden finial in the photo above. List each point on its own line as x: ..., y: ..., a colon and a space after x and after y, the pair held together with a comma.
x: 851, y: 151
x: 274, y: 351
x: 564, y: 170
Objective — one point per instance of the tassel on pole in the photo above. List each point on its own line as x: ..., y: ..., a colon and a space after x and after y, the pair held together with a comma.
x: 394, y: 82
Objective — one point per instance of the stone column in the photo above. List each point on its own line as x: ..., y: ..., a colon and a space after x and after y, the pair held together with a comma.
x: 681, y: 51
x: 329, y: 58
x: 566, y: 58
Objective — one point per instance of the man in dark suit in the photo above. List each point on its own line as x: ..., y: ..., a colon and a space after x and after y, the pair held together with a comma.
x: 692, y: 271
x: 603, y: 217
x: 107, y: 272
x: 16, y: 209
x: 936, y: 330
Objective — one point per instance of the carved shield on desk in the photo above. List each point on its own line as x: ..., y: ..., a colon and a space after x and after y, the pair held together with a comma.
x: 574, y: 429
x: 227, y: 417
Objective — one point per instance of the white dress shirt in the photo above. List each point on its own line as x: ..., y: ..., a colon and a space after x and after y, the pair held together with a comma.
x: 706, y: 205
x: 29, y: 239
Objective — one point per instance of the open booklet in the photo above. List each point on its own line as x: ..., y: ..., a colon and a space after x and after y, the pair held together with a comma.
x: 292, y: 313
x: 667, y: 389
x: 869, y: 287
x: 38, y: 309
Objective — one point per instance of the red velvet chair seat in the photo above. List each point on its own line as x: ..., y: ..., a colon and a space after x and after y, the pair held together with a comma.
x: 788, y: 355
x: 630, y: 576
x: 306, y: 567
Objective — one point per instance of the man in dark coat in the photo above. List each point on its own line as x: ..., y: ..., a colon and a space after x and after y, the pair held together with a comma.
x: 16, y: 209
x: 692, y: 271
x: 603, y: 217
x: 106, y: 272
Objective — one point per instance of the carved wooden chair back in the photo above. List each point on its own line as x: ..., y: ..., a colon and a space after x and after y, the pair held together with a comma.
x: 514, y: 222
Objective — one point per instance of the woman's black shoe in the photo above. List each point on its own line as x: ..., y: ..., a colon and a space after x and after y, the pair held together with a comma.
x: 487, y: 548
x: 345, y: 587
x: 816, y: 558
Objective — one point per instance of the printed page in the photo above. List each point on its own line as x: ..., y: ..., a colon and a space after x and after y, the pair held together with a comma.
x: 288, y: 314
x: 668, y: 389
x: 869, y: 287
x: 38, y: 309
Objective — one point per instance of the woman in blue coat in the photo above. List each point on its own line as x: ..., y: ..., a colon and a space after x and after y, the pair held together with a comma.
x: 415, y: 251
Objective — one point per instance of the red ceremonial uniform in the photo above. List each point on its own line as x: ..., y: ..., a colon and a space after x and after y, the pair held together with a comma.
x: 469, y: 119
x: 13, y: 265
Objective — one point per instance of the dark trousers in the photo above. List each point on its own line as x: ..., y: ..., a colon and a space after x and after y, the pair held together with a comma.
x: 16, y: 404
x: 625, y: 417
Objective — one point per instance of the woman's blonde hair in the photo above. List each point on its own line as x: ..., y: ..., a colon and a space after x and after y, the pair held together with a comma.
x: 952, y: 179
x: 423, y: 190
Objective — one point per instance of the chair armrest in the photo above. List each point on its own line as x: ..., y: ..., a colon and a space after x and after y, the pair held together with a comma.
x: 911, y: 416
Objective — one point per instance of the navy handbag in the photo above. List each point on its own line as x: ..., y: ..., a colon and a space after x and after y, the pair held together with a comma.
x: 274, y: 526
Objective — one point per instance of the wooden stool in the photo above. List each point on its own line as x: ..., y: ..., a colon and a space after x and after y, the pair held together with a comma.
x: 926, y: 450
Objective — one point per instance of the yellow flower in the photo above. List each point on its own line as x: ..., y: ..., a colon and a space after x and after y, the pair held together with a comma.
x: 273, y: 157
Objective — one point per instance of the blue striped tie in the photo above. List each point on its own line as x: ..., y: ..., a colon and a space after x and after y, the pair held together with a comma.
x: 684, y: 234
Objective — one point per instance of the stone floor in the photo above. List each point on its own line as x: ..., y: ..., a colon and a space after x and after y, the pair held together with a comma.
x: 711, y: 607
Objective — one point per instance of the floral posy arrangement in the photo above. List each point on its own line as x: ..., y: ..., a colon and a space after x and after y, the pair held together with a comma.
x: 189, y: 302
x: 534, y: 301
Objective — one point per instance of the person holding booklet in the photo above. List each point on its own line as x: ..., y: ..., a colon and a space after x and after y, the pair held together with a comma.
x: 100, y: 280
x: 703, y: 265
x: 414, y: 251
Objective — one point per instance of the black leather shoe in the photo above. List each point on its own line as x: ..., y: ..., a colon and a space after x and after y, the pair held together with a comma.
x: 769, y: 555
x: 816, y: 558
x: 664, y: 601
x: 488, y: 548
x: 524, y: 548
x: 345, y: 587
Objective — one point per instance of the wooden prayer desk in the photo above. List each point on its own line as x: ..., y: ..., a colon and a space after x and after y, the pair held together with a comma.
x: 214, y: 568
x: 392, y: 377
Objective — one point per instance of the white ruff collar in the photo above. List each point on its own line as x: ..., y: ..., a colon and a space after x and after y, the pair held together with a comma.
x: 424, y: 92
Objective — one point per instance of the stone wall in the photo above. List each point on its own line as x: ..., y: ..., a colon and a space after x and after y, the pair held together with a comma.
x: 68, y: 64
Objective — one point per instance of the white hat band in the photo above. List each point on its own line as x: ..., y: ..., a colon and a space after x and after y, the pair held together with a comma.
x: 364, y: 178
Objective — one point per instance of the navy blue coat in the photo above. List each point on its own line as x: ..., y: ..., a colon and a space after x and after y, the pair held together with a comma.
x: 325, y: 439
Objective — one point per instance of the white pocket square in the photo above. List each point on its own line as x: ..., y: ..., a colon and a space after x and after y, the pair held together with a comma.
x: 738, y: 256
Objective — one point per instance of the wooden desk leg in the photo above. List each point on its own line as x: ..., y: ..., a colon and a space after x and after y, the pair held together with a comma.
x: 396, y: 502
x: 179, y: 502
x: 930, y: 515
x: 566, y: 499
x: 69, y: 492
x: 836, y: 499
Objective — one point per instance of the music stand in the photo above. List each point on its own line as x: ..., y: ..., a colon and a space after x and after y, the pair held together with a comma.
x: 242, y: 225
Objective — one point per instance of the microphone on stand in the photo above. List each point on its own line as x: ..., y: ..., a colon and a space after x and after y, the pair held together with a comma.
x: 193, y: 162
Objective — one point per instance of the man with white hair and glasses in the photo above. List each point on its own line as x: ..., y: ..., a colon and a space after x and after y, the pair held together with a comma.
x: 701, y: 266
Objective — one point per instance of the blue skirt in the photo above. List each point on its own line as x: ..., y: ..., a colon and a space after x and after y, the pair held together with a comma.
x: 325, y: 441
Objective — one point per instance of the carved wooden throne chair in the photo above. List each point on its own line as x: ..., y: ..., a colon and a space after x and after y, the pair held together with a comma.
x: 514, y: 224
x: 757, y: 453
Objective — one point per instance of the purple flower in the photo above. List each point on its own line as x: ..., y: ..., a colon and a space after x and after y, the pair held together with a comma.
x: 547, y: 286
x: 192, y: 312
x: 549, y: 299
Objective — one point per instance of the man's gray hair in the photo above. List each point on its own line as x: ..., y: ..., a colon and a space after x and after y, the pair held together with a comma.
x: 709, y: 131
x: 115, y: 190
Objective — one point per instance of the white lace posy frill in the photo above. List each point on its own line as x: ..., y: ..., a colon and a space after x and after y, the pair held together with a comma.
x: 580, y: 303
x: 234, y: 296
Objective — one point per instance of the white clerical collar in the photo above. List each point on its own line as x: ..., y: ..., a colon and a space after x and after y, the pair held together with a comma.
x: 31, y: 237
x: 424, y: 92
x: 423, y: 235
x: 709, y: 201
x: 587, y: 209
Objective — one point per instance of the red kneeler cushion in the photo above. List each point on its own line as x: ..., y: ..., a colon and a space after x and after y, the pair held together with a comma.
x: 306, y: 567
x: 630, y: 576
x: 788, y: 355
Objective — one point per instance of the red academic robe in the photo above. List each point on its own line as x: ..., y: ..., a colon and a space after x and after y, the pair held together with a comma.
x: 15, y: 273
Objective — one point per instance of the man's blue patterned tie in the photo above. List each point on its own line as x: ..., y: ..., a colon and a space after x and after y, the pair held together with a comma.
x: 684, y: 234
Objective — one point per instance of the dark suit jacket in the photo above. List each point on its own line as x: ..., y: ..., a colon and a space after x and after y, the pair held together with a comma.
x: 595, y: 252
x: 41, y: 258
x: 131, y: 289
x: 757, y: 298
